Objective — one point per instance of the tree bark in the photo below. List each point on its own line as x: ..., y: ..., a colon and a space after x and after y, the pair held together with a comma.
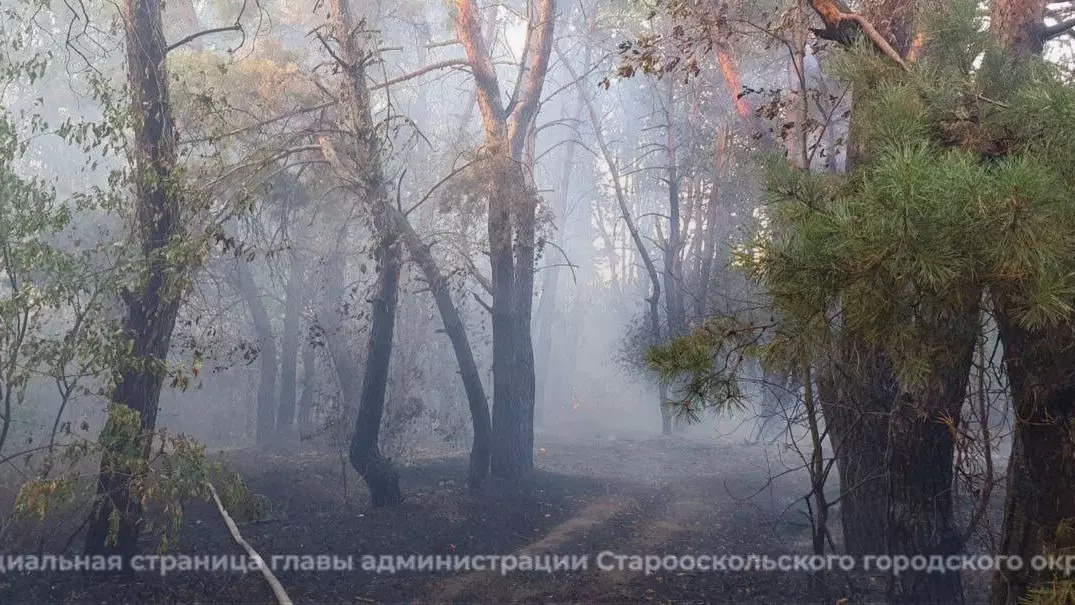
x: 367, y: 179
x: 510, y: 225
x: 365, y: 456
x: 152, y: 308
x: 922, y: 431
x: 266, y: 341
x: 289, y: 349
x: 1040, y: 505
x: 857, y: 392
x: 453, y: 326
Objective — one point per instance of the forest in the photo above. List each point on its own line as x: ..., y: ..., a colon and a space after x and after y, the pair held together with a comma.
x: 537, y: 301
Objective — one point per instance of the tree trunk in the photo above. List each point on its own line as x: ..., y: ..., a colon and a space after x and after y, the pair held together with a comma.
x: 709, y: 230
x: 266, y: 397
x: 1040, y: 505
x: 510, y: 224
x: 453, y: 326
x: 365, y: 455
x: 368, y: 176
x: 547, y: 312
x: 153, y: 306
x: 923, y: 428
x: 309, y: 384
x: 673, y: 285
x: 857, y: 391
x: 289, y: 348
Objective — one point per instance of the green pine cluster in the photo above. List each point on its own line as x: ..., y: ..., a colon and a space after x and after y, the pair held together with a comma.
x: 967, y: 189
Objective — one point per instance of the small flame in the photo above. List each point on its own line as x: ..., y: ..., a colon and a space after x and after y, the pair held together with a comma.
x: 916, y: 46
x: 731, y: 77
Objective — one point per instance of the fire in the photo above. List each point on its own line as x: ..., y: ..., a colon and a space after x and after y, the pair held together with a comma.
x: 916, y: 46
x: 731, y: 77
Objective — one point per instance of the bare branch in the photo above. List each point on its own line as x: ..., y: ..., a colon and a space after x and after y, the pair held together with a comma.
x: 1057, y: 30
x: 216, y: 30
x: 419, y: 72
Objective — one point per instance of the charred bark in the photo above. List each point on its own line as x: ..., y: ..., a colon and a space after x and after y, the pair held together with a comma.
x: 367, y: 178
x: 152, y: 308
x: 453, y: 326
x: 510, y: 225
x: 1040, y: 505
x: 923, y: 429
x: 365, y: 456
x: 857, y: 392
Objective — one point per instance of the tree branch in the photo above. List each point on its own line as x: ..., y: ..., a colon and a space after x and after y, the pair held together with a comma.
x: 216, y: 30
x: 419, y: 72
x: 1057, y: 30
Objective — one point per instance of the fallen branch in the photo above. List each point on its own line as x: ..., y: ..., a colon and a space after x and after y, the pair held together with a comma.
x: 277, y: 589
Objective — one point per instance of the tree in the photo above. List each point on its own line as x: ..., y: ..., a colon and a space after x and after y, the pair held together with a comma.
x: 367, y: 181
x: 512, y: 203
x: 153, y: 303
x: 1040, y: 505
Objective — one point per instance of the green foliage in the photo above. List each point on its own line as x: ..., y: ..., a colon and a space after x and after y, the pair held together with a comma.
x: 241, y: 503
x: 965, y: 189
x: 703, y: 365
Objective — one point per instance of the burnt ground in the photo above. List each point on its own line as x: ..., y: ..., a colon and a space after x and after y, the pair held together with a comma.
x: 631, y: 496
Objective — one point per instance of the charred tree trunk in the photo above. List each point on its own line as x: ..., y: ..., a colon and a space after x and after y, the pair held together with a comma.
x: 453, y: 326
x: 289, y: 348
x: 1040, y: 505
x: 151, y: 308
x: 365, y: 455
x: 266, y: 397
x: 922, y: 431
x: 367, y: 177
x: 510, y: 225
x: 857, y: 392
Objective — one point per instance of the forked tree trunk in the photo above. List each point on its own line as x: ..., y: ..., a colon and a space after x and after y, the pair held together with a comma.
x: 510, y: 226
x: 453, y: 326
x: 152, y: 307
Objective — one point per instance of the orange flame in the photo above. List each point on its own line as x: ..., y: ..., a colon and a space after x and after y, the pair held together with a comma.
x: 731, y: 78
x: 916, y: 46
